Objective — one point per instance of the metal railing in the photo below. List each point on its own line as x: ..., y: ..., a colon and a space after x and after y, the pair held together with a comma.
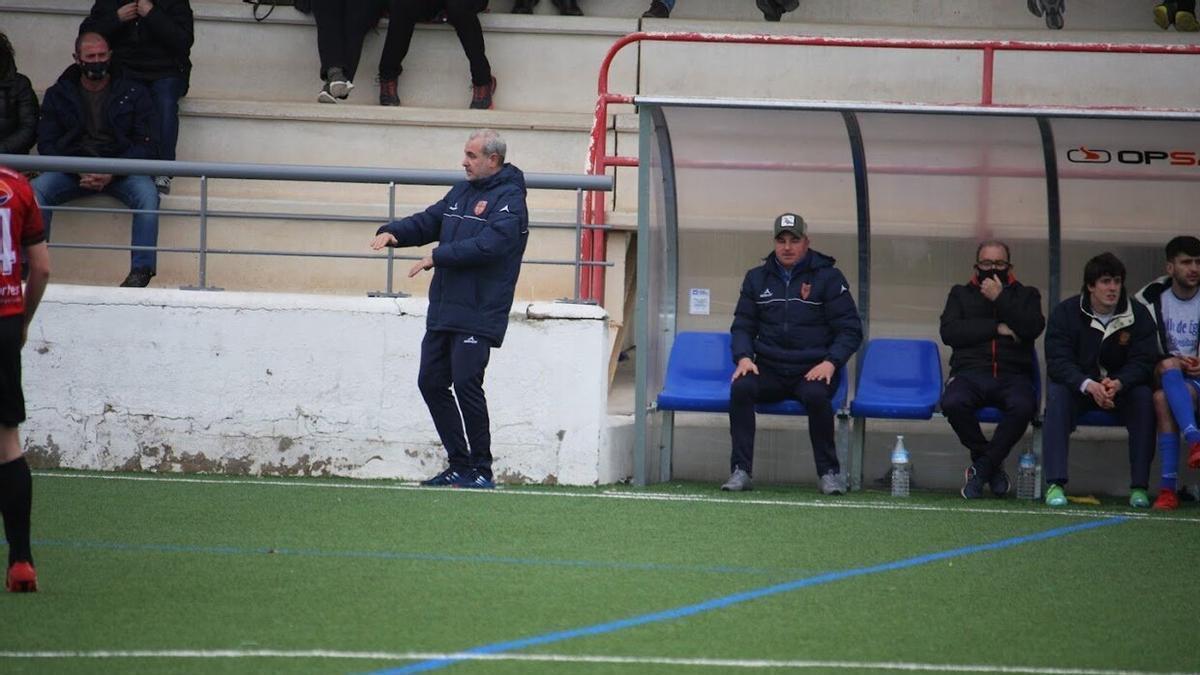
x: 599, y: 161
x: 390, y: 178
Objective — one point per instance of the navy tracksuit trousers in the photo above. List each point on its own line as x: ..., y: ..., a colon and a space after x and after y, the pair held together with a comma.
x: 458, y: 360
x: 769, y: 387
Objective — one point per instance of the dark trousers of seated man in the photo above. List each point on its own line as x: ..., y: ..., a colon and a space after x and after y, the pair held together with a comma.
x: 770, y: 386
x: 967, y: 393
x: 458, y: 359
x: 1064, y: 405
x: 463, y: 15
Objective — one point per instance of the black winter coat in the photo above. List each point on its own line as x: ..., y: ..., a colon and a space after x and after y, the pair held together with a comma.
x: 481, y: 228
x: 18, y: 115
x: 969, y: 323
x: 786, y: 325
x: 151, y: 47
x: 1079, y: 347
x: 129, y: 111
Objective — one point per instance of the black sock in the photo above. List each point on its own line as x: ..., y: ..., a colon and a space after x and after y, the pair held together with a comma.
x: 16, y: 502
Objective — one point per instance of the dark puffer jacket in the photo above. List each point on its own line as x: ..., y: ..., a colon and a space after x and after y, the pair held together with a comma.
x: 1079, y: 347
x: 18, y: 114
x: 968, y: 327
x: 481, y: 228
x: 151, y: 47
x: 129, y: 111
x: 787, y: 325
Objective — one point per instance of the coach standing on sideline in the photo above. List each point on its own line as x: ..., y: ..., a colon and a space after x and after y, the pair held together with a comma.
x: 481, y: 226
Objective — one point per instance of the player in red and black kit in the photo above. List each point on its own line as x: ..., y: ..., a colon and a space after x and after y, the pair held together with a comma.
x: 21, y: 237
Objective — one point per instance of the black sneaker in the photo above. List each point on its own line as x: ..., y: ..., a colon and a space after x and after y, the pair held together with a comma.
x: 481, y: 95
x: 388, y: 94
x: 475, y: 481
x: 448, y: 477
x: 162, y: 184
x: 998, y: 482
x: 1054, y: 13
x: 139, y: 277
x: 658, y: 10
x: 973, y: 487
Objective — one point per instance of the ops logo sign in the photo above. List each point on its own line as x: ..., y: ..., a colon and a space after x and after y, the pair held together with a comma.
x: 1085, y: 155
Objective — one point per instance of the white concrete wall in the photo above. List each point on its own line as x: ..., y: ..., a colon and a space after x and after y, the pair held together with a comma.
x: 249, y: 383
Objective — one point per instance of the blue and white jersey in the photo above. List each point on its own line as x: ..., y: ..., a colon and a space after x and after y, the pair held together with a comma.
x: 1181, y: 323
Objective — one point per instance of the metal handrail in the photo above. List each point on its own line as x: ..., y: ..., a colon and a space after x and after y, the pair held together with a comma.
x: 329, y: 174
x: 594, y: 245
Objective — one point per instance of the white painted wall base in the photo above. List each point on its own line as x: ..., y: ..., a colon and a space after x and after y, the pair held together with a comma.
x: 267, y: 384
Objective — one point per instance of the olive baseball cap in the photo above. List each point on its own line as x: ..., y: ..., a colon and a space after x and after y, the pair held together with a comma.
x: 790, y: 222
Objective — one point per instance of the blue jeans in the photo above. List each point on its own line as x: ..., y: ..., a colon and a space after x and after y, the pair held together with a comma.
x: 136, y: 192
x: 166, y: 93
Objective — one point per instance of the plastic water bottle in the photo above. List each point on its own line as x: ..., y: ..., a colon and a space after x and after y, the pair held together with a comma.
x: 901, y: 469
x: 1027, y: 476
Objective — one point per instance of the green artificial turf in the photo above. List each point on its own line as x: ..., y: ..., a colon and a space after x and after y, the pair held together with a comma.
x: 229, y: 564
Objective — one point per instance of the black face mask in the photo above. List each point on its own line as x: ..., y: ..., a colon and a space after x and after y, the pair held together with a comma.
x: 998, y: 275
x: 97, y: 70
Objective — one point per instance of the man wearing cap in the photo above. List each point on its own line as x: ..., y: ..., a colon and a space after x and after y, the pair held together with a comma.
x: 795, y: 325
x: 990, y: 323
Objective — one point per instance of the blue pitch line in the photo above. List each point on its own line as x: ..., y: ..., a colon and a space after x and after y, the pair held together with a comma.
x: 404, y: 555
x: 746, y: 596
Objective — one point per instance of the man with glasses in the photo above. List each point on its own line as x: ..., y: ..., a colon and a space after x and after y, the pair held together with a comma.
x: 990, y: 323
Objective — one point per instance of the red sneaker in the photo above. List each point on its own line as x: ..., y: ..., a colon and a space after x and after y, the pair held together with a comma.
x: 1194, y: 455
x: 1167, y: 500
x: 21, y: 578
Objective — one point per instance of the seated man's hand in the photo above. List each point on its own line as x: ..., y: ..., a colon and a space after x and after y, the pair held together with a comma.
x: 1099, y: 394
x: 822, y: 371
x: 127, y: 12
x: 94, y: 181
x: 990, y: 288
x: 1190, y: 365
x: 144, y: 7
x: 744, y: 365
x: 1003, y: 329
x: 382, y: 241
x: 1111, y: 387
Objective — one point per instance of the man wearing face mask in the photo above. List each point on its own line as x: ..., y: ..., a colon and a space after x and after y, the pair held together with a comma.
x: 990, y: 323
x: 93, y: 111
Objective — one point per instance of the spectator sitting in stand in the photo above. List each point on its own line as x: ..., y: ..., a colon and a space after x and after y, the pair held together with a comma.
x: 151, y: 42
x: 95, y: 111
x: 341, y: 27
x: 1182, y: 13
x: 403, y: 17
x: 565, y: 7
x: 18, y: 105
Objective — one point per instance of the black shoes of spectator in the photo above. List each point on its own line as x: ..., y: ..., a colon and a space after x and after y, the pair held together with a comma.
x: 658, y: 10
x: 139, y: 277
x: 1051, y: 9
x: 162, y: 184
x: 773, y: 10
x: 388, y: 94
x: 565, y: 7
x: 481, y: 95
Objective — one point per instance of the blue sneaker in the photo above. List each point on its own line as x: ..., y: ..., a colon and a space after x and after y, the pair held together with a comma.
x: 475, y: 481
x: 450, y: 476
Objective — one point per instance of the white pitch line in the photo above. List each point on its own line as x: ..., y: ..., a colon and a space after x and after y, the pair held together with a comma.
x: 571, y: 658
x: 841, y: 503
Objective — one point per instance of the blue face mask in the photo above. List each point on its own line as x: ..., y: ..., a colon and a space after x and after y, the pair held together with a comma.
x: 97, y: 70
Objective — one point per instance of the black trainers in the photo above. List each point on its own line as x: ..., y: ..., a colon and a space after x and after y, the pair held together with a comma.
x: 773, y: 10
x: 448, y: 477
x: 998, y: 482
x: 973, y: 487
x: 1054, y: 13
x: 388, y: 94
x: 524, y: 6
x: 481, y: 95
x: 162, y: 184
x: 475, y: 481
x: 139, y: 277
x: 658, y: 10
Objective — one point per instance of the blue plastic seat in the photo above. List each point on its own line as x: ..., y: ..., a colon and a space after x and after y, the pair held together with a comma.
x: 900, y: 379
x: 698, y: 375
